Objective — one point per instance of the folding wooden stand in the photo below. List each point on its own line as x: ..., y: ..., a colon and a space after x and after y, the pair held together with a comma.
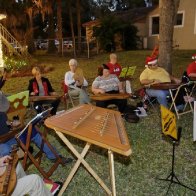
x: 173, y: 97
x: 36, y: 160
x: 93, y: 125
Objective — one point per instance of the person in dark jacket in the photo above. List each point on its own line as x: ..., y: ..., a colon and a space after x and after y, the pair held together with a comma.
x: 41, y: 86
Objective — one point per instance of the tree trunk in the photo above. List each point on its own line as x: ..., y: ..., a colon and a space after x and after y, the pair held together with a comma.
x: 59, y: 24
x: 51, y: 43
x: 168, y: 11
x: 30, y: 39
x: 78, y: 24
x: 72, y: 28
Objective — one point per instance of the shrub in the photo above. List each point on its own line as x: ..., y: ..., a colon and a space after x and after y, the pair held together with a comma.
x: 13, y: 64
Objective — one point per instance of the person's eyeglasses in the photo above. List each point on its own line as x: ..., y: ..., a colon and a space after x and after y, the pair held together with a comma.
x: 152, y: 65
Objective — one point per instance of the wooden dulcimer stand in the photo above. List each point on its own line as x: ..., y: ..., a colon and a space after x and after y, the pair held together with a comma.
x: 99, y: 126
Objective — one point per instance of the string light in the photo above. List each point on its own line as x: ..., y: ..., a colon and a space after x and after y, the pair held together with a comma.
x: 2, y: 16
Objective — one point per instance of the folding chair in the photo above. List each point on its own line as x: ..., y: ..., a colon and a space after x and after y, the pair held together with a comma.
x: 29, y: 158
x: 17, y: 108
x: 68, y: 99
x: 146, y: 99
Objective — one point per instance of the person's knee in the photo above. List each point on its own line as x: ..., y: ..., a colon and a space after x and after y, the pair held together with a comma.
x: 4, y: 149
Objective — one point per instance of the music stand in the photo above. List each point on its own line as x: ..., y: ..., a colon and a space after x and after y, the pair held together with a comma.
x: 172, y: 178
x: 36, y: 159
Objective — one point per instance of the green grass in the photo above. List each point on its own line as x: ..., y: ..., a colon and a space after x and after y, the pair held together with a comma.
x: 151, y: 158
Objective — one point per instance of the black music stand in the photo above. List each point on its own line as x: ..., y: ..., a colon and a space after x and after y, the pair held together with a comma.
x: 172, y: 178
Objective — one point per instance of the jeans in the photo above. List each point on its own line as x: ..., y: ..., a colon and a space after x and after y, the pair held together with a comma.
x: 161, y: 96
x: 5, y: 148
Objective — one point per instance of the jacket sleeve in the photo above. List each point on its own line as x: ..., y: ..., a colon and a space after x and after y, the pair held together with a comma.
x: 30, y: 87
x: 50, y: 89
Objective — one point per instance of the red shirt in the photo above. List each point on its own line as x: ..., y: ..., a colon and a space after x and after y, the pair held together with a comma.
x: 115, y: 68
x: 191, y: 68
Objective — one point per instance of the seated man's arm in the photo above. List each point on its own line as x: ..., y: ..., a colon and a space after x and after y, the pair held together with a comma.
x: 192, y: 75
x: 175, y: 80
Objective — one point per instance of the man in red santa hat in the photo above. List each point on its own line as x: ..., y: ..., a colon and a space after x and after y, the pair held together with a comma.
x: 154, y: 74
x: 191, y: 69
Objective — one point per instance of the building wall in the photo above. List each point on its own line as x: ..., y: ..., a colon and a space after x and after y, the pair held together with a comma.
x: 185, y: 35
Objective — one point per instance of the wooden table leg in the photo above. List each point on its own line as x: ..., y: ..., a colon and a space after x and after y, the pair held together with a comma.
x: 77, y: 164
x: 112, y: 175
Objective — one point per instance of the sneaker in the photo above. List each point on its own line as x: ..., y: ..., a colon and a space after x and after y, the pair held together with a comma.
x: 141, y: 112
x: 64, y: 161
x: 53, y: 187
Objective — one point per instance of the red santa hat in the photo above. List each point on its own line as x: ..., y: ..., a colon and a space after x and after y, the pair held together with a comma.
x: 151, y: 61
x: 194, y: 57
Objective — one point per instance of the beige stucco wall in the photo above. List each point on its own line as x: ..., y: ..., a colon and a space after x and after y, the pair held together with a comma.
x: 184, y: 36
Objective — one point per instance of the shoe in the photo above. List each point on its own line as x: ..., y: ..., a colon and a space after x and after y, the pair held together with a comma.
x: 64, y: 160
x: 141, y: 112
x: 53, y: 187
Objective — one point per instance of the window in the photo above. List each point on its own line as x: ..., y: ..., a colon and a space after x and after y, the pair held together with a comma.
x: 155, y: 25
x: 179, y: 20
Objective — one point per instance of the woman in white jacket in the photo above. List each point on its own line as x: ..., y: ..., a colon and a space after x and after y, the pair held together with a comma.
x: 76, y: 82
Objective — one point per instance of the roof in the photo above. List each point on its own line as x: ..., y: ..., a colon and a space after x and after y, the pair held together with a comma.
x: 91, y: 23
x: 134, y: 14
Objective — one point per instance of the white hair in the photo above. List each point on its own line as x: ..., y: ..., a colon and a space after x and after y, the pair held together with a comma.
x: 73, y: 62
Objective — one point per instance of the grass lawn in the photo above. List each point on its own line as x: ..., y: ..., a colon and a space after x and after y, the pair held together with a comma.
x: 151, y: 159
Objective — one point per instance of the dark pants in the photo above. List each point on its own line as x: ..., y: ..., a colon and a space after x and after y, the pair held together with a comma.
x: 53, y: 103
x: 120, y: 103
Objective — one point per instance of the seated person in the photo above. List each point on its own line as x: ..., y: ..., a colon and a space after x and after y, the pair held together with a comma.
x: 115, y: 68
x: 6, y: 146
x: 155, y: 74
x: 191, y: 69
x: 25, y: 184
x: 76, y: 82
x: 108, y: 83
x: 40, y: 86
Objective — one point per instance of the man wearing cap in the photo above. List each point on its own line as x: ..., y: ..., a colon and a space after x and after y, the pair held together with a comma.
x: 191, y: 69
x: 154, y: 74
x: 108, y: 83
x: 4, y: 128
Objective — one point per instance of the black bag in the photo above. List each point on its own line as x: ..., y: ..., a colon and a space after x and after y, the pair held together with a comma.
x: 131, y: 118
x: 130, y: 114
